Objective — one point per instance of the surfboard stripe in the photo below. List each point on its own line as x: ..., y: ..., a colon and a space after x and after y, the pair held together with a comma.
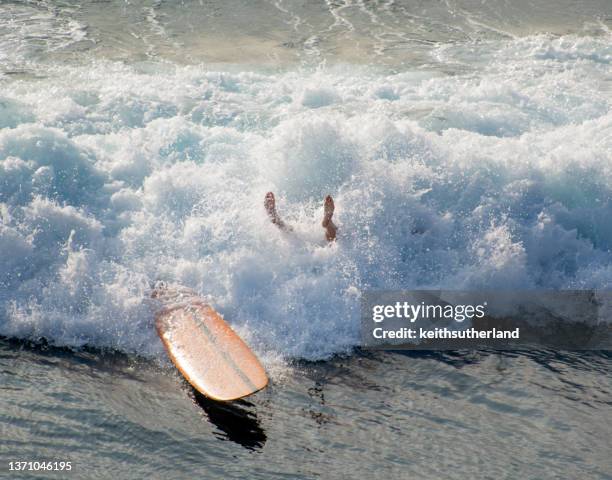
x: 205, y: 349
x: 226, y: 356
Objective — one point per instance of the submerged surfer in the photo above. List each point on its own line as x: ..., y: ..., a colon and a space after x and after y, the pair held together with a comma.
x: 327, y: 223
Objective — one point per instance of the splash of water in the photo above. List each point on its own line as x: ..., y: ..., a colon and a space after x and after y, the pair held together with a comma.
x: 115, y: 175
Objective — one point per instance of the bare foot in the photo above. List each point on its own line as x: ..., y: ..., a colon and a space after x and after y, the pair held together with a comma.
x: 270, y: 206
x: 328, y: 210
x: 328, y: 225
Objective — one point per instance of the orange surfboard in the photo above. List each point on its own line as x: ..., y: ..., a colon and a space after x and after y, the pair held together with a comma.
x: 209, y: 354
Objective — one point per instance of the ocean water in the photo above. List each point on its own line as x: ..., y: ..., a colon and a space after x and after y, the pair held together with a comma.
x: 542, y: 415
x: 466, y: 145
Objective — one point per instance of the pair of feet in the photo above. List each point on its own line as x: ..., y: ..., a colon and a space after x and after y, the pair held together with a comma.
x: 327, y: 223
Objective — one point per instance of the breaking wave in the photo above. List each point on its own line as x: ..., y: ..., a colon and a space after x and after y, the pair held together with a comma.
x: 114, y: 175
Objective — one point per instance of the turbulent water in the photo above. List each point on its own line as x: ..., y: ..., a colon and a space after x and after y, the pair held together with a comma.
x: 467, y: 144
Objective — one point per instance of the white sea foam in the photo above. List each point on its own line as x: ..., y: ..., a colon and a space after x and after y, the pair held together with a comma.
x: 113, y: 176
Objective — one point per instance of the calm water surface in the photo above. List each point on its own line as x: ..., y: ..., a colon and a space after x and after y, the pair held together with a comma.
x: 539, y: 415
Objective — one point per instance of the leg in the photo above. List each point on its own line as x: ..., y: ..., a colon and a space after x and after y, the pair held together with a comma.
x: 328, y: 224
x: 270, y: 205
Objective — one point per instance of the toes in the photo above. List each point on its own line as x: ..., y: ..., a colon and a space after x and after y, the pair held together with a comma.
x: 328, y: 207
x: 269, y: 201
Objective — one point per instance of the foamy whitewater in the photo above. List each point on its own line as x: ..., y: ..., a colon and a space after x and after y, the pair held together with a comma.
x: 116, y: 173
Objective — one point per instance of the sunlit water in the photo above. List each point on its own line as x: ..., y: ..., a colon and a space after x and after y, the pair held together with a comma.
x: 467, y: 144
x: 536, y: 416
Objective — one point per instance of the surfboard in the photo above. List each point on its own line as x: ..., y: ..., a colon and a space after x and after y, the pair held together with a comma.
x: 204, y: 348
